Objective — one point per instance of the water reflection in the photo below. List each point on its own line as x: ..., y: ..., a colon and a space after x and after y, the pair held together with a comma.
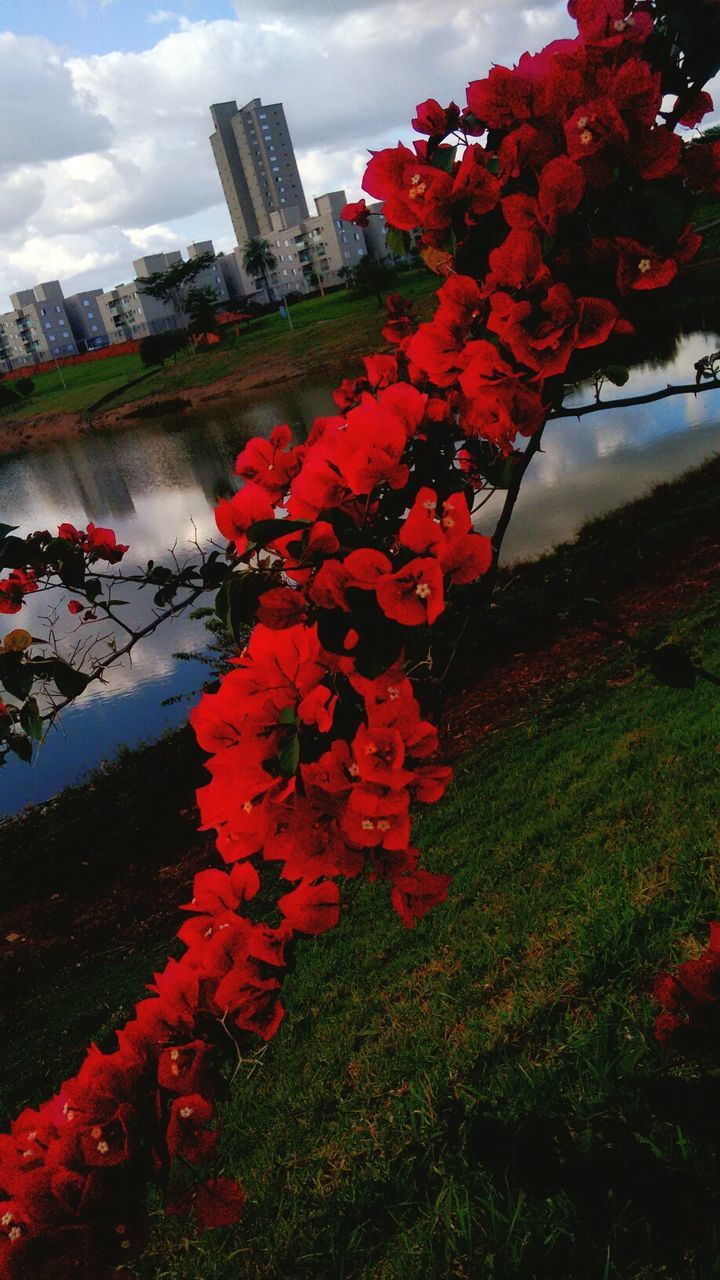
x: 158, y: 483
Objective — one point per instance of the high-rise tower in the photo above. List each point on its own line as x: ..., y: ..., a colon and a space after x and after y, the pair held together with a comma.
x: 257, y: 167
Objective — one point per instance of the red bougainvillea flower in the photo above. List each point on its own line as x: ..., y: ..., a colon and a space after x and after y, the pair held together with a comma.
x: 312, y: 908
x: 382, y: 370
x: 414, y: 595
x: 357, y: 213
x: 642, y: 268
x: 188, y: 1135
x: 594, y: 128
x: 502, y: 99
x: 560, y: 190
x: 101, y: 544
x: 474, y: 186
x: 70, y: 533
x: 75, y: 606
x: 218, y: 1202
x: 281, y: 607
x: 499, y: 400
x: 517, y: 263
x: 271, y: 463
x: 413, y: 193
x: 544, y: 334
x: 233, y: 516
x: 435, y: 120
x: 695, y: 106
x: 14, y: 588
x: 610, y: 23
x: 415, y: 894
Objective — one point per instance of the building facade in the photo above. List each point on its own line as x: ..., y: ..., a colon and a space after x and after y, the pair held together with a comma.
x: 257, y: 166
x: 44, y: 324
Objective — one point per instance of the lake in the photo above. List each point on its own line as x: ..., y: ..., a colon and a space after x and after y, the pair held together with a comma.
x: 158, y: 483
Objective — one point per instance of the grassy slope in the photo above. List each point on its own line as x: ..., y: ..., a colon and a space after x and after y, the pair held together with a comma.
x: 483, y: 1097
x: 329, y: 322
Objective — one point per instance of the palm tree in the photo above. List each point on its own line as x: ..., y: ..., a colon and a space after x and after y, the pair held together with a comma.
x: 258, y: 259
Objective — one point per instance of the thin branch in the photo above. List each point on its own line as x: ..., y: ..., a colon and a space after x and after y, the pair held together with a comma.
x: 581, y: 411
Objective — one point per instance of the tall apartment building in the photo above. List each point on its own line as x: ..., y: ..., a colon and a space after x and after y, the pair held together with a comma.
x: 257, y: 166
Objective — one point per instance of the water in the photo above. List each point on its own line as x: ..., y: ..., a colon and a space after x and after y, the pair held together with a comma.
x: 160, y: 481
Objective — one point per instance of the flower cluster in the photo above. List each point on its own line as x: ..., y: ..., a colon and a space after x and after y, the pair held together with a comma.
x: 570, y: 197
x: 690, y: 1000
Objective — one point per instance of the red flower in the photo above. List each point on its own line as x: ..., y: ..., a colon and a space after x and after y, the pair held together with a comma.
x: 642, y: 268
x: 413, y: 595
x: 75, y: 606
x: 500, y: 100
x: 233, y: 516
x: 281, y: 607
x: 357, y: 213
x: 474, y: 185
x: 218, y: 1202
x: 181, y: 1068
x: 101, y: 544
x: 414, y: 193
x: 543, y: 335
x: 188, y: 1136
x: 435, y: 120
x: 312, y: 908
x: 595, y: 127
x: 415, y: 894
x: 694, y: 107
x: 271, y: 463
x: 518, y: 262
x: 14, y: 588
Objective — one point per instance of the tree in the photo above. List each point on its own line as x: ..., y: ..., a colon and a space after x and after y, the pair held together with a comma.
x: 201, y: 310
x: 159, y: 347
x: 169, y: 286
x: 258, y: 260
x: 371, y: 275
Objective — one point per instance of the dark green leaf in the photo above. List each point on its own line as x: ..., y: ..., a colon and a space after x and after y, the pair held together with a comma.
x: 93, y: 588
x: 13, y: 553
x: 21, y: 746
x: 70, y: 682
x: 5, y: 529
x: 617, y: 374
x: 444, y: 158
x: 289, y: 755
x: 16, y: 676
x: 264, y: 531
x: 31, y: 720
x: 236, y: 602
x: 398, y: 241
x: 288, y: 715
x: 72, y: 571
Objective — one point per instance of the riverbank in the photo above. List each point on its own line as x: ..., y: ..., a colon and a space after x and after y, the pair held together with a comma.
x: 488, y: 1086
x: 90, y: 882
x: 327, y: 333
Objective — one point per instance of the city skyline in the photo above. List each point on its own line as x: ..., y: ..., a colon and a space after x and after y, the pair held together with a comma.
x: 106, y: 157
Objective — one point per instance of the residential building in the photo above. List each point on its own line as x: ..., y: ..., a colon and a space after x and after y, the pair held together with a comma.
x: 257, y: 166
x: 130, y: 313
x: 45, y: 325
x: 86, y: 322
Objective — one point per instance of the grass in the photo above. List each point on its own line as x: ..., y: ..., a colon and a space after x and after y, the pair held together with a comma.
x: 483, y: 1097
x: 322, y: 329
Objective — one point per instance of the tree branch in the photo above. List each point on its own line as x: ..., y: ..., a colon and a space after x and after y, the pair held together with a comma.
x: 581, y: 411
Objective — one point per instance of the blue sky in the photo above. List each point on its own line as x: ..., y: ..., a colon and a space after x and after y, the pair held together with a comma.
x: 94, y: 26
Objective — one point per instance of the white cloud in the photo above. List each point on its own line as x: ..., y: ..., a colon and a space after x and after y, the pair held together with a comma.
x: 101, y: 143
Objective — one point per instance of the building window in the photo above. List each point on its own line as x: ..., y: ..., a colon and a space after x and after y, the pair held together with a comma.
x: 85, y: 302
x: 90, y: 315
x: 48, y: 324
x: 43, y: 312
x: 94, y: 328
x: 57, y: 308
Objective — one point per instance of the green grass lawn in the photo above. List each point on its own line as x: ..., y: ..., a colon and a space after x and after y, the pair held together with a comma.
x: 483, y: 1097
x: 321, y: 326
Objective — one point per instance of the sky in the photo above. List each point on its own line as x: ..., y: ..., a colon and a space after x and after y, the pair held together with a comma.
x: 104, y: 154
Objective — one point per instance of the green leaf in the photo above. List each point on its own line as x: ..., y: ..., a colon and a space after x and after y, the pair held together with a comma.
x: 398, y: 241
x: 236, y: 602
x: 13, y: 553
x: 21, y: 746
x: 5, y: 529
x: 288, y: 715
x: 617, y: 374
x: 72, y: 571
x: 264, y: 531
x: 444, y: 158
x: 31, y: 720
x: 69, y: 682
x: 93, y: 588
x: 16, y: 676
x: 289, y: 755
